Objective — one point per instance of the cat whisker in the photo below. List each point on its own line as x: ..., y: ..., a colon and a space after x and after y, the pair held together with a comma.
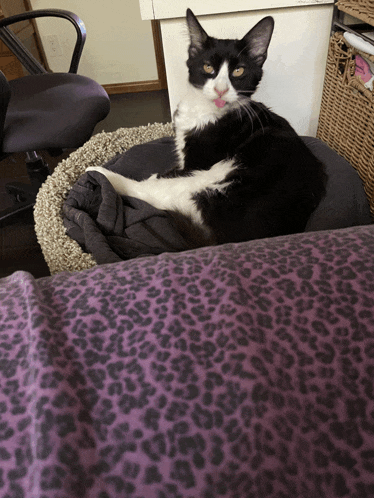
x: 265, y: 110
x: 237, y: 110
x: 247, y: 110
x: 259, y: 120
x: 251, y: 112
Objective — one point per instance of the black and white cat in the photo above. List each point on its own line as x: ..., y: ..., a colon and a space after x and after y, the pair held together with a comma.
x: 243, y: 173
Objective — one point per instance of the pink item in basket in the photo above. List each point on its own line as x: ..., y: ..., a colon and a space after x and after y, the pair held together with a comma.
x: 363, y: 69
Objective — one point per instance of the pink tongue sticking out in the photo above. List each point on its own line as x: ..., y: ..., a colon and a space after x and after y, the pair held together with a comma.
x: 220, y: 103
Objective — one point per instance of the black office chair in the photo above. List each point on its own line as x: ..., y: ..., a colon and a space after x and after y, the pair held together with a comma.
x: 43, y: 110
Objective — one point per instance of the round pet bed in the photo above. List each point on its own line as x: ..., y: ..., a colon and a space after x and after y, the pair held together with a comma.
x: 344, y: 205
x: 60, y: 251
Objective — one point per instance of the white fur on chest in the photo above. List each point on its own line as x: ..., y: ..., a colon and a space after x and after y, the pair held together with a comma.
x: 195, y: 111
x: 198, y: 108
x: 174, y: 194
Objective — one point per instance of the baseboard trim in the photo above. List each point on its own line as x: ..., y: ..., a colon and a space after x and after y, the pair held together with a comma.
x: 139, y: 86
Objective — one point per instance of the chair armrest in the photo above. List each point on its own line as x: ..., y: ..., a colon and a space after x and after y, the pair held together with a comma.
x: 65, y: 14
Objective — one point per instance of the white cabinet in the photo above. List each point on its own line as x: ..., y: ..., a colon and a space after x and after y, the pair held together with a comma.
x: 165, y: 9
x: 294, y: 71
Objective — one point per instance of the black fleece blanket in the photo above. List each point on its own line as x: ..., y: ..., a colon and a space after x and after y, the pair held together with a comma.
x: 113, y: 227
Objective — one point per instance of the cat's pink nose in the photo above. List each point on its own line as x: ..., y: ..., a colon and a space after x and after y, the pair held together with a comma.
x: 221, y: 92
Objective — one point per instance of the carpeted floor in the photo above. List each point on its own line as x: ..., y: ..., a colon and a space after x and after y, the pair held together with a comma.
x: 19, y: 249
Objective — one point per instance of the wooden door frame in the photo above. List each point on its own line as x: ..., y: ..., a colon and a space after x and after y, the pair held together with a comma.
x: 38, y: 39
x: 40, y: 53
x: 151, y: 85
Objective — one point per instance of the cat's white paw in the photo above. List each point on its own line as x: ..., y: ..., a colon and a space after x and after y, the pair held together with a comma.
x: 111, y: 176
x: 100, y: 169
x: 121, y: 184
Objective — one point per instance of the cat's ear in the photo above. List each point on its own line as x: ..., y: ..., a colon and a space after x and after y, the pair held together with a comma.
x: 197, y: 34
x: 258, y: 39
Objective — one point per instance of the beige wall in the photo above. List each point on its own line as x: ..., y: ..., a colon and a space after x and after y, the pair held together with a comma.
x: 119, y: 46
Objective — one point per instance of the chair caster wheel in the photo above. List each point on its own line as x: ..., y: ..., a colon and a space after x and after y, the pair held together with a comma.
x: 20, y: 193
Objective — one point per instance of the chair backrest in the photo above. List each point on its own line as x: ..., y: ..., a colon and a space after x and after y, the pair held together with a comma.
x: 4, y: 101
x: 12, y: 42
x: 24, y: 56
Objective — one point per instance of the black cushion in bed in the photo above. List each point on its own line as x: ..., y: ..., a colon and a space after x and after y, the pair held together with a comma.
x: 345, y: 203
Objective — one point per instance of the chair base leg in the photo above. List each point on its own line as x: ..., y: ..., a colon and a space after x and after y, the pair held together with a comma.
x: 21, y: 192
x: 24, y: 195
x: 6, y: 215
x: 37, y: 169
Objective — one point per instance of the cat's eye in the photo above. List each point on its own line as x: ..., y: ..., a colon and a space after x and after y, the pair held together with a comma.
x: 239, y: 71
x: 208, y: 69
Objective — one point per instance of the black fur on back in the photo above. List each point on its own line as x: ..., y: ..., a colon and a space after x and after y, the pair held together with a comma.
x: 277, y: 184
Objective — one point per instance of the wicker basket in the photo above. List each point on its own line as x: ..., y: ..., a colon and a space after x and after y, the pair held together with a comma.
x: 346, y: 121
x: 362, y: 9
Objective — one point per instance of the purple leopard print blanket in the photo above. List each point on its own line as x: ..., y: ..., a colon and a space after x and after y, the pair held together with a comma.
x: 240, y: 371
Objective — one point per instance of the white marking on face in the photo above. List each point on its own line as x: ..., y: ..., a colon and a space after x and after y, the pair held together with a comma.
x: 221, y: 83
x: 174, y: 194
x: 197, y: 108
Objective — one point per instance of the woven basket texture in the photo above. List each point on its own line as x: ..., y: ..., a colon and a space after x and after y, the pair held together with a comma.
x: 362, y: 9
x: 346, y: 120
